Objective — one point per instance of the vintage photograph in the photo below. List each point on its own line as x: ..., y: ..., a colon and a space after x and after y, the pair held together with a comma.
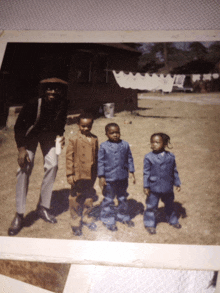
x: 111, y: 141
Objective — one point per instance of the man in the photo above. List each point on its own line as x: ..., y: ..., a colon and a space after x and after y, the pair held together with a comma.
x: 41, y: 120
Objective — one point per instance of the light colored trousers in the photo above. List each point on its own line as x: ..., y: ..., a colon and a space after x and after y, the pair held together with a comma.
x: 50, y: 171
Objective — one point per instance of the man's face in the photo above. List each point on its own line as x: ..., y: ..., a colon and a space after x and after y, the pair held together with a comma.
x: 52, y: 93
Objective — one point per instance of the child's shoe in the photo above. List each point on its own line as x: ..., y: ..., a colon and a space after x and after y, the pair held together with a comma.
x: 151, y: 230
x: 92, y: 226
x: 128, y: 223
x: 177, y: 226
x: 77, y: 230
x: 111, y: 227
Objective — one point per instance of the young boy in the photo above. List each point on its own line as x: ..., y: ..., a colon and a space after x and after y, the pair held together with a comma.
x: 81, y: 171
x: 160, y: 175
x: 115, y: 161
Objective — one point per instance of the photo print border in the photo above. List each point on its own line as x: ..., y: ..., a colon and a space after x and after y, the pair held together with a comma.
x: 84, y: 255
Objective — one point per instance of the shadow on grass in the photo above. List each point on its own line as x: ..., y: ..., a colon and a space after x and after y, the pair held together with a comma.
x: 59, y: 204
x: 134, y: 208
x: 60, y: 201
x: 178, y: 208
x: 143, y: 108
x: 163, y: 117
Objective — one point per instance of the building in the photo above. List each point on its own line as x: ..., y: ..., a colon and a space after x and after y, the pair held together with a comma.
x: 87, y: 67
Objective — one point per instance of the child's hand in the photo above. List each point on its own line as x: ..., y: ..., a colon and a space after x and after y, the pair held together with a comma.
x: 134, y: 180
x: 147, y: 191
x: 23, y: 157
x: 178, y: 188
x: 102, y: 182
x: 70, y: 180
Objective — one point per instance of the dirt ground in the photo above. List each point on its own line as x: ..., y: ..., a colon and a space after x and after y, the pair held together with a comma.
x: 194, y: 129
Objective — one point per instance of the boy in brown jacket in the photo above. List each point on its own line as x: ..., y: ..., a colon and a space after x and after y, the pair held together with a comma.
x: 81, y: 171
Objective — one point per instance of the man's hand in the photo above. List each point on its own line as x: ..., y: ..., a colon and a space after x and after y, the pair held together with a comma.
x: 23, y: 157
x: 70, y: 180
x: 62, y: 141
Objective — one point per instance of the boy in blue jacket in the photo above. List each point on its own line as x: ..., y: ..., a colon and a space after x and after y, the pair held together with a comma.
x: 160, y: 175
x: 115, y: 161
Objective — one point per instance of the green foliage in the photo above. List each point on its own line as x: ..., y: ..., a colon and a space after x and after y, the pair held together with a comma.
x: 157, y: 55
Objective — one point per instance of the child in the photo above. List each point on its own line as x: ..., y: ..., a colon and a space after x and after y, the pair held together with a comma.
x: 114, y: 162
x: 160, y: 175
x: 81, y: 171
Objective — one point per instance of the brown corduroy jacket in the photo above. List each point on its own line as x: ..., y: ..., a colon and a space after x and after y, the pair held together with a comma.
x: 81, y: 158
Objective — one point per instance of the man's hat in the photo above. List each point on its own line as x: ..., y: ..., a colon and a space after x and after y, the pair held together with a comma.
x: 54, y: 80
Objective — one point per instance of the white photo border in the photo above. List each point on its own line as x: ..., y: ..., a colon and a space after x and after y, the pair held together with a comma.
x: 92, y: 253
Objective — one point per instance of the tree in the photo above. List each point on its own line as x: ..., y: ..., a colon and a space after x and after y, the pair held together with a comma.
x: 197, y: 51
x: 214, y: 52
x: 156, y: 55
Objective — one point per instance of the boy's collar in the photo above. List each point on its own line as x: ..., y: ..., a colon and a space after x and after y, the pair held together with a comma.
x: 114, y: 141
x: 83, y: 135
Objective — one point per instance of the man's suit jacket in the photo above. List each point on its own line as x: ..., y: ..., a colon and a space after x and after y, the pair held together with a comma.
x: 81, y: 157
x: 35, y: 116
x: 115, y: 160
x: 160, y: 172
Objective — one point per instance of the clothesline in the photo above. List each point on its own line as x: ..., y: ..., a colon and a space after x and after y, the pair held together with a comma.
x: 144, y: 82
x: 206, y: 75
x: 155, y: 82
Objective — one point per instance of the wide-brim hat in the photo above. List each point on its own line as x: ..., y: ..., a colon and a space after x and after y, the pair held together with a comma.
x: 54, y: 80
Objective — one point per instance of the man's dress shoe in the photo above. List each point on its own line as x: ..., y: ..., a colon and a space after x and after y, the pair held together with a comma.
x: 16, y: 225
x: 45, y: 215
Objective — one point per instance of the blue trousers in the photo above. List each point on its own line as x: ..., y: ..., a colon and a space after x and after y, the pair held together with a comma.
x: 109, y: 213
x: 152, y: 205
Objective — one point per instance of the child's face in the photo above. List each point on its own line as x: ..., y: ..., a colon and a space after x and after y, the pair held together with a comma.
x: 85, y: 125
x: 113, y: 134
x: 157, y: 144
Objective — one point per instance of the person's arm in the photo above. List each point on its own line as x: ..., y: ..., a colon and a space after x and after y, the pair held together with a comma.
x: 101, y: 162
x: 177, y: 181
x: 130, y: 161
x: 23, y: 157
x: 101, y: 167
x: 96, y: 156
x: 60, y: 121
x: 70, y: 172
x: 146, y: 173
x: 25, y: 119
x: 133, y: 177
x: 131, y: 165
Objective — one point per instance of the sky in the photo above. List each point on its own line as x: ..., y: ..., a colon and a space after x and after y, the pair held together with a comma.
x: 179, y: 45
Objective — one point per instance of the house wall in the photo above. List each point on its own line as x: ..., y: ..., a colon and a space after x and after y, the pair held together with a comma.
x: 86, y: 66
x: 92, y: 83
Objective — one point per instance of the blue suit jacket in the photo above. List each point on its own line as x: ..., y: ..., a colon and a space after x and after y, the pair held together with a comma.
x: 160, y: 172
x: 115, y: 160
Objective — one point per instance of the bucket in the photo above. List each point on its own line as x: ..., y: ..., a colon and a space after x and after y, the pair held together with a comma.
x: 109, y: 110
